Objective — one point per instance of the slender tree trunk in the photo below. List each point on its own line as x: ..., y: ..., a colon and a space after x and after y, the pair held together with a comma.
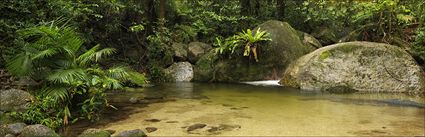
x: 162, y: 11
x: 280, y: 4
x: 245, y: 7
x: 257, y: 7
x: 150, y: 15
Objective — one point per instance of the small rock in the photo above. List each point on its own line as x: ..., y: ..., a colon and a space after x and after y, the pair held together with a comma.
x: 180, y: 71
x: 132, y: 133
x: 92, y: 132
x: 17, y: 128
x: 228, y: 127
x: 133, y: 100
x: 151, y: 129
x: 152, y: 120
x: 213, y: 129
x: 144, y: 102
x: 223, y: 127
x: 10, y: 135
x: 15, y: 100
x: 195, y: 126
x: 38, y: 131
x: 4, y: 130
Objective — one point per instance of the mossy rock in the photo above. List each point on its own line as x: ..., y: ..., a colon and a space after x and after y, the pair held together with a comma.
x: 38, y: 131
x: 274, y: 56
x: 356, y: 66
x: 204, y: 68
x: 95, y: 133
x: 132, y: 133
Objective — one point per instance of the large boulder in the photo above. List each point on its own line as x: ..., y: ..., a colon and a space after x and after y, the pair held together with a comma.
x: 274, y: 56
x: 38, y: 131
x: 196, y: 50
x: 14, y: 100
x: 180, y: 51
x: 356, y: 66
x: 180, y: 71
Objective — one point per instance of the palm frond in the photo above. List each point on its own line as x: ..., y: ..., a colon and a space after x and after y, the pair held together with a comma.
x: 44, y: 54
x: 111, y: 83
x: 70, y: 41
x: 137, y: 78
x: 21, y: 65
x: 58, y: 92
x: 118, y: 72
x: 39, y: 31
x: 94, y: 55
x: 67, y: 76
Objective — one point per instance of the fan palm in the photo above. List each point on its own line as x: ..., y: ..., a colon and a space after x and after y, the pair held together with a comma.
x: 53, y: 56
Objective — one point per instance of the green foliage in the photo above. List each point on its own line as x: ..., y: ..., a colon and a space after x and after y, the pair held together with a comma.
x: 53, y: 55
x: 211, y: 18
x: 418, y: 49
x: 247, y: 38
x: 159, y: 50
x: 42, y: 112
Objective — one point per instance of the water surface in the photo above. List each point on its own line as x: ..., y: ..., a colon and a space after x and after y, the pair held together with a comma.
x: 246, y: 110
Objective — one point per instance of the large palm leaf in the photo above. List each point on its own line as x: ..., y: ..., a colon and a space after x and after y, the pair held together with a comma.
x: 94, y: 55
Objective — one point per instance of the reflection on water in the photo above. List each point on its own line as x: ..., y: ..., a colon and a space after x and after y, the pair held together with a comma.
x: 246, y: 110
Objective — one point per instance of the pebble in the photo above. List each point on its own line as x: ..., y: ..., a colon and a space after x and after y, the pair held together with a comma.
x: 151, y: 129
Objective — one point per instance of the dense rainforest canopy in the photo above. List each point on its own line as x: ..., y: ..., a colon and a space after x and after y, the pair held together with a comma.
x: 141, y: 32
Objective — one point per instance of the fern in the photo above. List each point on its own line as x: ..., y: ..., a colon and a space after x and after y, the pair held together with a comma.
x: 247, y: 38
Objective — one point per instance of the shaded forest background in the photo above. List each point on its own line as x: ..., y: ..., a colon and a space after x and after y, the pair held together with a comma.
x: 142, y: 31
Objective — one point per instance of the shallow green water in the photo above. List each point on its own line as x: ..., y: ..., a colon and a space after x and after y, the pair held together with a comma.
x: 246, y: 110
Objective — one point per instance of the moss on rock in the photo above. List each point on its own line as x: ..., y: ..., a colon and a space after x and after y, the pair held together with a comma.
x: 356, y: 66
x: 274, y: 56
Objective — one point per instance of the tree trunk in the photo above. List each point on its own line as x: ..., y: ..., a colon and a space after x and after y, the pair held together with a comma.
x: 245, y: 7
x: 257, y: 7
x: 280, y: 4
x: 150, y: 15
x: 162, y: 9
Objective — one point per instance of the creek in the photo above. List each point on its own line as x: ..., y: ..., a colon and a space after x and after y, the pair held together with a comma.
x: 246, y: 110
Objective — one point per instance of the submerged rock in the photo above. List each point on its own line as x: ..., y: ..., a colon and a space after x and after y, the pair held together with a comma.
x: 274, y: 56
x: 151, y: 129
x: 92, y: 132
x: 132, y: 133
x: 356, y: 66
x: 38, y: 131
x: 152, y: 120
x: 14, y: 100
x: 195, y: 127
x: 180, y: 71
